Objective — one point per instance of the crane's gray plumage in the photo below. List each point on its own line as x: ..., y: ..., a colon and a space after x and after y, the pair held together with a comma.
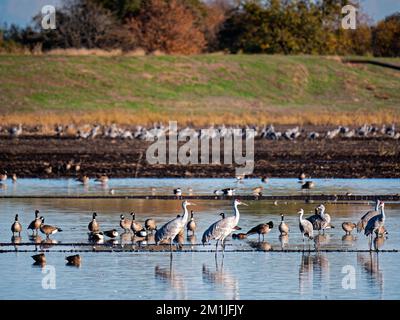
x: 169, y: 230
x: 366, y: 217
x: 222, y: 228
x: 376, y: 222
x: 306, y: 227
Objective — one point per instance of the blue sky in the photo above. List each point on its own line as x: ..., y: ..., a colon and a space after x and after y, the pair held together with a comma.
x: 21, y: 11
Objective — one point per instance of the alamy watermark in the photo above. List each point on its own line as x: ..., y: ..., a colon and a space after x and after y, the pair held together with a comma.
x: 349, y: 280
x: 349, y: 21
x: 49, y: 278
x: 202, y: 147
x: 48, y: 17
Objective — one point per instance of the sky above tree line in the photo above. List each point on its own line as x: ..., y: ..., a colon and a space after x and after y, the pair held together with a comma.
x: 20, y: 12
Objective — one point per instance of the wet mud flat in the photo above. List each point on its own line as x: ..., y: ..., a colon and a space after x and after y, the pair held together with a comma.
x: 49, y: 157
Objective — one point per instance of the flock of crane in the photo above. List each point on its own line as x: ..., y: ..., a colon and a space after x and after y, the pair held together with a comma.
x: 372, y: 223
x: 264, y: 132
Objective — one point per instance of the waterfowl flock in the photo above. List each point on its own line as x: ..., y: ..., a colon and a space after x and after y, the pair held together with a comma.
x: 113, y: 131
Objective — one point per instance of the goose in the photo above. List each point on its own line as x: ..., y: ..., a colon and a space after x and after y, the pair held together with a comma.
x: 239, y: 236
x: 3, y: 176
x: 308, y: 185
x: 15, y: 132
x: 257, y: 191
x: 302, y: 176
x: 103, y: 179
x: 362, y: 223
x: 178, y: 192
x: 283, y: 227
x: 74, y: 260
x: 191, y: 225
x: 172, y: 228
x: 96, y: 236
x: 348, y: 227
x: 125, y: 224
x: 111, y: 233
x: 48, y: 230
x: 135, y: 226
x: 16, y: 226
x: 48, y: 170
x: 261, y: 229
x: 84, y: 180
x: 223, y: 228
x: 93, y: 225
x: 150, y: 225
x: 40, y: 259
x: 264, y: 179
x: 35, y: 224
x: 14, y: 178
x: 306, y: 227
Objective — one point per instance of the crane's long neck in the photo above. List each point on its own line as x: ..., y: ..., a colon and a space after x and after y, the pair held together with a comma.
x: 237, y: 214
x: 377, y: 206
x: 383, y: 214
x: 301, y: 217
x: 185, y: 212
x: 322, y: 213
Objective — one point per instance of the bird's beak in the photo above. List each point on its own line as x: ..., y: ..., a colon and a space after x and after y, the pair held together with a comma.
x: 191, y: 204
x: 245, y: 204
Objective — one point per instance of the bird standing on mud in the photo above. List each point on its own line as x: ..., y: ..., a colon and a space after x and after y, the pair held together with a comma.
x: 171, y: 229
x: 223, y: 228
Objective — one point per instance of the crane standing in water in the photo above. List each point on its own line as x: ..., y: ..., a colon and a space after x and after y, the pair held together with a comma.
x: 222, y: 228
x: 375, y: 223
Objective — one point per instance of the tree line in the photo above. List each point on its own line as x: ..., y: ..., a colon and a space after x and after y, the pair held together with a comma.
x: 195, y: 26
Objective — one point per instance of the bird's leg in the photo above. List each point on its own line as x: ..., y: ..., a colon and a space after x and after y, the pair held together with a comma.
x: 263, y: 238
x: 170, y: 245
x: 216, y: 248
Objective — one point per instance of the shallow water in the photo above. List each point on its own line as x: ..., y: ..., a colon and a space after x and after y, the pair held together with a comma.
x: 144, y: 186
x: 243, y: 273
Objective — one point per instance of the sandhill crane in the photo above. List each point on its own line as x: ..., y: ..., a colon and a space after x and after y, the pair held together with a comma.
x: 191, y: 225
x: 283, y: 227
x: 306, y: 227
x: 16, y: 226
x: 375, y: 223
x: 348, y: 227
x: 222, y: 228
x: 171, y: 229
x: 48, y: 229
x: 316, y: 220
x: 326, y: 218
x: 35, y: 224
x: 364, y: 219
x: 261, y: 229
x: 93, y: 225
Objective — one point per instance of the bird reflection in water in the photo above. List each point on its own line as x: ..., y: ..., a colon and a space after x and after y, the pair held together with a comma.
x: 369, y: 263
x: 321, y: 240
x: 16, y: 240
x: 192, y: 240
x: 175, y: 284
x: 314, y: 268
x: 348, y: 239
x: 284, y: 240
x: 48, y: 243
x: 261, y: 246
x: 222, y: 279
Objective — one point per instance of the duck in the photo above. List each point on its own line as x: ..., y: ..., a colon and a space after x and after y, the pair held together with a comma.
x: 48, y: 229
x: 125, y: 224
x: 348, y: 227
x: 40, y: 259
x: 135, y: 226
x: 111, y: 233
x: 84, y: 180
x: 283, y: 227
x: 261, y: 229
x: 93, y: 225
x: 308, y: 185
x: 150, y: 225
x: 35, y: 224
x: 74, y: 260
x: 191, y: 225
x: 16, y: 226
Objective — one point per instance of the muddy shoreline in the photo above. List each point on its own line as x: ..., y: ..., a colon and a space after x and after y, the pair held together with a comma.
x: 337, y: 158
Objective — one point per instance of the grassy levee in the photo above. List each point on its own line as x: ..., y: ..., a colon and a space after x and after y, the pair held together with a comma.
x: 199, y: 90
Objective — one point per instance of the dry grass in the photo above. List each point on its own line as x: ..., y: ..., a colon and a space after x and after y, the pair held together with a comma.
x: 124, y: 117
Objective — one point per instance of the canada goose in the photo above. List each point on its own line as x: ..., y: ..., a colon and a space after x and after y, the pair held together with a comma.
x: 178, y: 192
x: 48, y: 230
x: 16, y: 226
x: 40, y: 259
x: 93, y: 225
x: 264, y: 179
x: 150, y: 225
x: 35, y: 224
x: 74, y: 260
x: 84, y: 180
x: 103, y: 179
x: 239, y: 236
x: 14, y: 178
x: 48, y: 170
x: 125, y: 224
x: 348, y: 227
x: 283, y: 227
x: 308, y: 185
x: 111, y: 233
x: 302, y: 176
x: 191, y: 225
x: 257, y: 191
x: 96, y: 236
x: 261, y: 229
x: 142, y: 233
x: 135, y: 226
